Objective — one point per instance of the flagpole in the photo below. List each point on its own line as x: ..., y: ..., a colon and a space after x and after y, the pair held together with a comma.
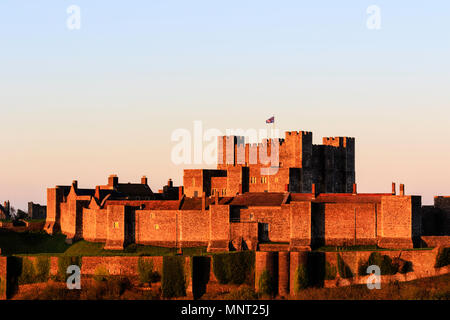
x: 273, y: 127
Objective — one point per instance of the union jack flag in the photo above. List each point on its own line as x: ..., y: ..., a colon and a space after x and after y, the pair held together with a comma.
x: 270, y: 120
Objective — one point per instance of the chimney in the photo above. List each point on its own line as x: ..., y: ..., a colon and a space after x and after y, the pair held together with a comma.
x: 75, y: 184
x: 170, y: 183
x: 402, y: 189
x: 313, y: 189
x: 354, y: 189
x: 97, y: 192
x: 393, y: 189
x: 180, y: 193
x: 286, y: 187
x: 113, y: 180
x: 144, y: 180
x: 203, y: 201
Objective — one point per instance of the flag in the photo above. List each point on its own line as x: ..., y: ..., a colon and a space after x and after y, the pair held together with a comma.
x: 270, y: 120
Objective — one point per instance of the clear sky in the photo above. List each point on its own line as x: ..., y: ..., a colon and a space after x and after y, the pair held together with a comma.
x: 82, y: 104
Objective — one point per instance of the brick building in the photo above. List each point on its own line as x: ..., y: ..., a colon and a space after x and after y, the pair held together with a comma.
x: 310, y: 201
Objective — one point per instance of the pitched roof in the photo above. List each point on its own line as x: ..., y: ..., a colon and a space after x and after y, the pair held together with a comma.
x: 194, y: 204
x: 134, y: 189
x: 339, y: 197
x: 147, y: 204
x: 261, y: 199
x: 162, y: 205
x: 85, y: 192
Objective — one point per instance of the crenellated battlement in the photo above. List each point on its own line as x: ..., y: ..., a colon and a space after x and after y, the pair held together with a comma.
x: 297, y: 133
x: 338, y: 141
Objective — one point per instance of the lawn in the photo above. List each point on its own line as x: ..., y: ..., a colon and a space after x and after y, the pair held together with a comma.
x: 41, y: 243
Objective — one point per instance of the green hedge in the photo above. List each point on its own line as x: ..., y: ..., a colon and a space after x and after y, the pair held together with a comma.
x: 173, y: 281
x: 387, y: 266
x: 33, y: 272
x: 234, y: 267
x: 101, y: 273
x: 301, y: 280
x: 442, y: 258
x: 343, y: 268
x: 146, y: 272
x: 42, y: 265
x: 63, y: 263
x: 267, y: 284
x: 28, y: 274
x: 330, y: 271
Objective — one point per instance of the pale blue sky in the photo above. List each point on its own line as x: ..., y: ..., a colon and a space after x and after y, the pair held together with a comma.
x: 105, y: 99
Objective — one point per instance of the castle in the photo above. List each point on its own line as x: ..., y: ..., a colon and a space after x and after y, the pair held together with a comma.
x: 305, y: 197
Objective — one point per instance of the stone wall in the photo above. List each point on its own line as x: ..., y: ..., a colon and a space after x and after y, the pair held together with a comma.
x: 276, y: 217
x: 265, y: 261
x: 346, y: 224
x: 436, y: 241
x: 398, y: 221
x: 194, y: 227
x: 115, y: 227
x: 300, y: 225
x: 3, y: 277
x: 157, y: 227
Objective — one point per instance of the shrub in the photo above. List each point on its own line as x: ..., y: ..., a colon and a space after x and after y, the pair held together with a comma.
x: 42, y: 269
x: 101, y: 273
x: 266, y: 284
x: 220, y: 268
x: 300, y: 279
x: 173, y: 281
x: 116, y: 286
x: 387, y: 266
x: 242, y: 293
x: 63, y: 263
x: 330, y: 271
x: 35, y: 272
x: 401, y: 265
x: 145, y: 271
x: 235, y: 267
x: 343, y: 268
x: 442, y: 258
x: 28, y: 274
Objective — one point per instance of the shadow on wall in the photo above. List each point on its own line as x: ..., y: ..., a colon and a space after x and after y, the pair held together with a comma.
x: 315, y: 266
x: 317, y: 225
x: 201, y: 269
x: 14, y: 271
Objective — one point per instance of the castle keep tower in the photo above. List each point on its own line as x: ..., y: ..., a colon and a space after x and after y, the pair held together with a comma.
x: 292, y: 164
